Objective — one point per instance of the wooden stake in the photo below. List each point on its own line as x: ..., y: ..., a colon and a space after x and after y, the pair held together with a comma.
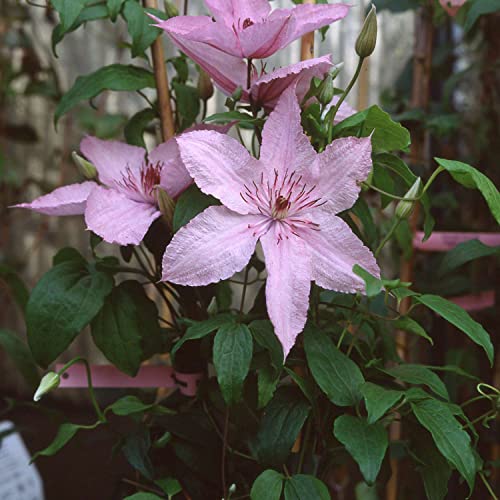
x: 307, y: 42
x: 162, y: 88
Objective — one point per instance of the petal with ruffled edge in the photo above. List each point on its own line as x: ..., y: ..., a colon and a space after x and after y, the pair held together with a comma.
x: 66, y: 200
x: 342, y: 166
x: 231, y: 12
x: 285, y: 147
x: 220, y: 166
x: 212, y: 247
x: 112, y: 158
x: 288, y: 265
x: 335, y: 249
x: 268, y: 88
x: 118, y: 219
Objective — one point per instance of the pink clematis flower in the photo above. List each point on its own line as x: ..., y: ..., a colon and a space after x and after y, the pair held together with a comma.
x: 122, y: 206
x: 248, y: 28
x: 288, y: 199
x: 452, y: 6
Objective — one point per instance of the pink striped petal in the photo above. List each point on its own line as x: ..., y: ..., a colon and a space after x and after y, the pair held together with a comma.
x: 112, y: 158
x: 342, y: 166
x: 66, y: 200
x: 118, y: 219
x: 335, y: 249
x: 288, y: 265
x: 212, y: 247
x: 236, y: 11
x: 220, y: 166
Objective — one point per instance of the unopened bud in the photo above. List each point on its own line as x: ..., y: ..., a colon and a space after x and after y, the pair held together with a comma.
x: 166, y: 205
x: 326, y: 90
x: 405, y: 207
x: 170, y: 9
x: 236, y: 95
x: 86, y: 168
x: 367, y: 39
x: 205, y: 87
x: 232, y: 489
x: 49, y: 382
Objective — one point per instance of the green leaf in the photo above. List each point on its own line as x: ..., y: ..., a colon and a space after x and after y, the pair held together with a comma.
x: 373, y: 285
x: 19, y: 353
x: 478, y: 9
x: 128, y: 405
x: 114, y: 77
x: 366, y: 443
x: 136, y: 450
x: 382, y: 179
x: 143, y: 496
x: 268, y: 485
x: 279, y: 427
x: 191, y: 203
x: 62, y: 303
x: 114, y: 8
x: 379, y: 400
x: 68, y: 254
x: 232, y: 354
x: 451, y: 440
x: 68, y: 11
x: 263, y: 333
x: 16, y: 285
x: 302, y: 487
x: 170, y: 486
x: 64, y: 435
x: 188, y: 103
x: 457, y: 316
x: 337, y: 375
x: 200, y: 329
x: 125, y: 326
x: 135, y: 127
x: 306, y: 385
x: 139, y: 27
x: 231, y: 116
x: 473, y: 179
x: 409, y: 325
x: 420, y: 375
x: 463, y: 253
x: 388, y: 135
x: 267, y: 381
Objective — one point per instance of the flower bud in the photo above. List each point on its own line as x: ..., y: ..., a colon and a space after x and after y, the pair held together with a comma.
x: 205, y: 87
x: 49, y: 382
x: 166, y: 205
x: 170, y: 9
x: 405, y: 207
x: 86, y: 168
x: 367, y: 39
x: 236, y: 95
x: 326, y: 90
x: 232, y: 489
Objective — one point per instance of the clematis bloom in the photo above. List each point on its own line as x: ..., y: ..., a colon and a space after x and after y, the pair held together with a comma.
x: 289, y: 200
x: 248, y: 28
x: 122, y: 206
x: 452, y: 6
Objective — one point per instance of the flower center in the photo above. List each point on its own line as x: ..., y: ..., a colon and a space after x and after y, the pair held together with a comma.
x: 140, y: 184
x: 280, y: 208
x: 247, y: 23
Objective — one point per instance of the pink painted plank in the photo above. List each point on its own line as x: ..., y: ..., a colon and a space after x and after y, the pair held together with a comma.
x: 149, y: 376
x: 476, y: 302
x: 447, y: 240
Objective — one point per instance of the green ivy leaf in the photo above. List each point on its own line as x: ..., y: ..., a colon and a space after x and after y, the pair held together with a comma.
x: 451, y: 440
x: 64, y: 435
x: 139, y: 27
x: 126, y: 326
x: 191, y: 203
x: 232, y: 354
x: 378, y: 400
x: 284, y: 417
x: 118, y: 77
x: 268, y: 485
x: 19, y: 353
x: 62, y: 303
x: 135, y: 127
x: 474, y: 179
x: 461, y: 319
x: 302, y: 487
x: 337, y: 375
x: 366, y: 443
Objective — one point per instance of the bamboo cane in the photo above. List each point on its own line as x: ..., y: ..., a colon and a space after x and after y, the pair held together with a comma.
x: 307, y: 41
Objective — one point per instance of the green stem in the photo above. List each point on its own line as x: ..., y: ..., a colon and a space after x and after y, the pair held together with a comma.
x: 431, y: 179
x: 244, y: 291
x: 95, y: 404
x: 304, y: 446
x: 488, y: 486
x: 388, y: 236
x: 390, y: 195
x: 342, y: 335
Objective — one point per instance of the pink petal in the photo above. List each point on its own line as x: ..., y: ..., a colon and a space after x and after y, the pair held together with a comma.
x: 233, y: 11
x: 227, y: 71
x: 335, y: 249
x: 118, y: 219
x: 212, y: 247
x: 66, y: 200
x: 220, y: 166
x: 344, y: 111
x: 268, y: 88
x: 288, y: 265
x: 342, y: 166
x: 112, y: 158
x: 285, y: 147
